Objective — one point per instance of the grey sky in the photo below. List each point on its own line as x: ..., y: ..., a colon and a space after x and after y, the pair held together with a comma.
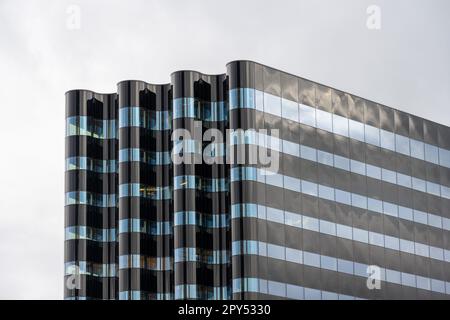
x: 404, y: 65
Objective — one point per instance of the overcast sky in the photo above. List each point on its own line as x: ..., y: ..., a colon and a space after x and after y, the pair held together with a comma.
x: 405, y: 64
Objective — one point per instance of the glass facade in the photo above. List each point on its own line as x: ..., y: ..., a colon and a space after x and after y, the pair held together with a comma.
x: 358, y: 186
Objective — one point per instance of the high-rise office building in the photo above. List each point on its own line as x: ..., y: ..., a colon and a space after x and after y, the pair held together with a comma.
x: 352, y: 204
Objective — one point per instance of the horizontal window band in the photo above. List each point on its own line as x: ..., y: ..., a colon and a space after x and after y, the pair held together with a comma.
x: 153, y: 228
x: 89, y: 198
x: 90, y: 269
x: 248, y: 210
x: 202, y: 110
x: 251, y: 137
x: 144, y: 118
x: 249, y: 98
x: 183, y: 218
x: 149, y: 192
x: 191, y: 254
x: 143, y: 295
x: 148, y: 157
x: 285, y: 290
x: 90, y: 164
x: 89, y: 233
x: 88, y: 126
x: 196, y: 291
x: 201, y: 183
x: 263, y: 249
x: 137, y: 261
x: 339, y: 196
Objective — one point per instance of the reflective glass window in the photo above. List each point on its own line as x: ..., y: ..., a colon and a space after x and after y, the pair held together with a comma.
x: 324, y: 120
x: 327, y: 227
x: 340, y: 125
x: 311, y: 259
x: 293, y: 255
x: 325, y: 158
x: 358, y: 167
x: 387, y: 140
x: 274, y: 251
x: 308, y: 153
x: 360, y: 235
x: 431, y: 154
x: 277, y: 288
x: 389, y: 176
x: 342, y: 163
x: 417, y: 149
x: 326, y: 192
x: 356, y: 130
x: 272, y: 104
x: 328, y: 263
x: 345, y: 266
x: 309, y: 188
x: 402, y: 144
x: 310, y: 223
x: 290, y: 110
x: 373, y: 171
x: 307, y: 115
x: 372, y: 135
x: 345, y: 232
x: 343, y: 197
x: 444, y: 157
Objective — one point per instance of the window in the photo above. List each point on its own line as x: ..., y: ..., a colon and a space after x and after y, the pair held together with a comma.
x: 433, y: 188
x: 408, y: 279
x: 360, y: 269
x: 420, y: 217
x: 324, y: 120
x: 389, y: 176
x: 272, y: 104
x: 325, y: 158
x: 434, y: 221
x: 276, y: 252
x: 431, y: 154
x: 341, y: 163
x: 293, y: 219
x: 404, y: 180
x: 393, y: 276
x: 309, y: 188
x: 259, y: 100
x: 326, y: 193
x: 328, y: 263
x: 360, y: 235
x: 307, y: 115
x: 293, y: 255
x: 358, y: 167
x: 405, y: 213
x: 340, y: 125
x: 311, y: 259
x: 291, y: 183
x: 343, y: 197
x: 376, y: 239
x: 359, y: 201
x: 275, y: 179
x: 417, y: 149
x: 438, y: 285
x: 419, y: 184
x: 327, y: 227
x: 345, y: 266
x: 402, y: 144
x: 308, y: 153
x: 423, y: 283
x: 312, y: 294
x: 373, y: 171
x: 290, y: 110
x: 275, y: 215
x: 391, y: 243
x: 356, y: 130
x: 421, y: 250
x: 344, y: 232
x: 294, y: 292
x: 372, y: 135
x: 444, y: 157
x: 310, y: 223
x: 407, y: 246
x: 291, y: 148
x: 277, y: 288
x: 390, y: 209
x: 375, y: 205
x: 387, y: 140
x: 262, y: 249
